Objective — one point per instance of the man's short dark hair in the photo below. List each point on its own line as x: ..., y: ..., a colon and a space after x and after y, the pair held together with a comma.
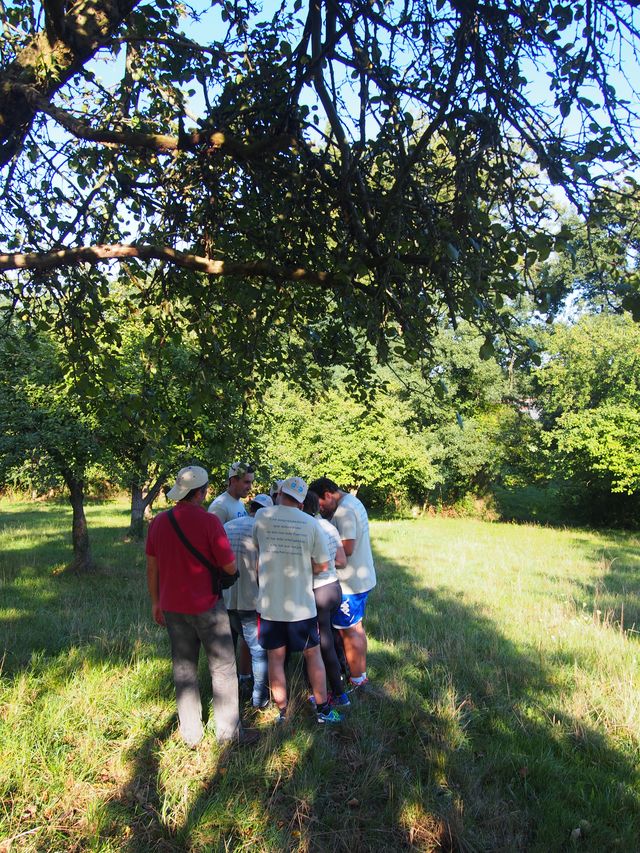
x: 311, y: 503
x: 322, y: 485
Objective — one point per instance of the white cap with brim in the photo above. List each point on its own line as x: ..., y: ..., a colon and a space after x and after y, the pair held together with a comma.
x: 239, y: 469
x: 275, y: 487
x: 191, y: 477
x: 295, y: 488
x: 263, y: 500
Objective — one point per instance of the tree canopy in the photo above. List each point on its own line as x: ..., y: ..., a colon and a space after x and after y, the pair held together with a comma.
x: 337, y: 177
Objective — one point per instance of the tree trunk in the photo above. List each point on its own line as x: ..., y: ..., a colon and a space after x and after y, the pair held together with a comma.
x: 73, y: 38
x: 136, y: 524
x: 82, y: 559
x: 140, y: 507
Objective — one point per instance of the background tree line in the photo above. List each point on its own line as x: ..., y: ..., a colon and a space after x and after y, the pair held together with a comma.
x: 555, y: 441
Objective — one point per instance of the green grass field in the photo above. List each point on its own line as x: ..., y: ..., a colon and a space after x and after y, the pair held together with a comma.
x: 504, y: 714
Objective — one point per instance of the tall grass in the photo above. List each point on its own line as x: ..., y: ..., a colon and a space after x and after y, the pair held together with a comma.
x: 504, y: 712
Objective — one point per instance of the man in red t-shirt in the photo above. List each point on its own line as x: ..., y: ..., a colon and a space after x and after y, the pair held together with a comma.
x: 182, y: 598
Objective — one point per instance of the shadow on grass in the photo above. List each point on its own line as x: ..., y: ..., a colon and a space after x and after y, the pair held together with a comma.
x: 47, y: 609
x: 524, y: 774
x: 459, y: 745
x: 614, y: 597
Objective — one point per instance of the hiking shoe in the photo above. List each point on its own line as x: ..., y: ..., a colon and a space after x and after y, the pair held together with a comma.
x: 332, y: 716
x: 247, y: 737
x: 245, y: 689
x: 312, y: 701
x: 341, y: 701
x: 357, y: 685
x: 282, y: 717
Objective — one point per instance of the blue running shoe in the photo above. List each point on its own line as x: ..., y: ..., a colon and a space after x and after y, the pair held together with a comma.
x: 329, y: 718
x: 341, y: 701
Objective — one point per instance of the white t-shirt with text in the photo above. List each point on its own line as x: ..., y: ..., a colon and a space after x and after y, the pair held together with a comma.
x: 226, y: 507
x: 352, y: 522
x: 243, y: 595
x: 287, y: 539
x: 333, y: 543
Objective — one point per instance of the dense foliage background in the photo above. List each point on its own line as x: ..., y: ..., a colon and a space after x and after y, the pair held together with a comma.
x: 554, y: 442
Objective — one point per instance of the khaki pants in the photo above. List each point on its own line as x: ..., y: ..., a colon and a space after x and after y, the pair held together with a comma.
x: 187, y: 632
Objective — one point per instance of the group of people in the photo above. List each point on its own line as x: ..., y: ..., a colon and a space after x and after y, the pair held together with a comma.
x: 291, y: 572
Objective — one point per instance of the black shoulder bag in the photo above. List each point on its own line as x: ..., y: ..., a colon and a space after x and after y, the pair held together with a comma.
x: 220, y: 580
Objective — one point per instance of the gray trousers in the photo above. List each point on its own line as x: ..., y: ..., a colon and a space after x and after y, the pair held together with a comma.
x: 187, y: 632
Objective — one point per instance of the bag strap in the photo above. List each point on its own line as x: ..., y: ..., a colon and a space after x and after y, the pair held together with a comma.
x: 192, y: 548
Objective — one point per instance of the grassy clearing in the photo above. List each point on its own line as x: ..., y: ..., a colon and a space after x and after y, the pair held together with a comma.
x: 505, y: 714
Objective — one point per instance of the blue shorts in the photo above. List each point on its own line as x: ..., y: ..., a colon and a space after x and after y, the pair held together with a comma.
x: 350, y: 611
x: 296, y: 636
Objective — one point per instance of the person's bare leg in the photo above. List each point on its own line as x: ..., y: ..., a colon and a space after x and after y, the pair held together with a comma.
x: 317, y: 674
x: 277, y: 678
x: 355, y: 648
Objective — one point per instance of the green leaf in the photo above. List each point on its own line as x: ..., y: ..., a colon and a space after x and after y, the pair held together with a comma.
x: 487, y: 350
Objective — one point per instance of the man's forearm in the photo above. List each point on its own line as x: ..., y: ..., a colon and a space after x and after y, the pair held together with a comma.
x: 348, y: 545
x: 229, y: 569
x: 153, y: 584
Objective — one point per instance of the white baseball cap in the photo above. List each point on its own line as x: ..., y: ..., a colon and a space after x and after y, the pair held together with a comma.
x: 295, y: 487
x: 191, y: 477
x: 263, y: 500
x: 239, y: 469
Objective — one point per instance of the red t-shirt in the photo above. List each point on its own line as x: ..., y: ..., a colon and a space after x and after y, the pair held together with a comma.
x: 185, y: 584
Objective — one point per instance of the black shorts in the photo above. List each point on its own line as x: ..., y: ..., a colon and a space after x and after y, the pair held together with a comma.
x: 296, y: 636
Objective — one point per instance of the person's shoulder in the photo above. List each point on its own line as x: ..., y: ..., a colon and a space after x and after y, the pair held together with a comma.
x: 212, y: 520
x: 242, y: 522
x: 263, y: 514
x: 353, y: 503
x: 345, y: 505
x: 156, y: 521
x: 328, y: 527
x: 269, y: 511
x: 311, y: 522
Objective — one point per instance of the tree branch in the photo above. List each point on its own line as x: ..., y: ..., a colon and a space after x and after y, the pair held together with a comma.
x: 215, y: 139
x: 119, y: 251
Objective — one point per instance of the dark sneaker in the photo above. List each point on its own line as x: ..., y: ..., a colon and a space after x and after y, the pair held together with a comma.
x: 357, y: 685
x: 245, y: 689
x: 331, y: 717
x: 282, y: 717
x: 248, y: 737
x: 312, y: 701
x: 341, y: 701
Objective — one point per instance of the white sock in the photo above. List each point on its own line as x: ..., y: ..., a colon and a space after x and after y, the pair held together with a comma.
x: 359, y: 679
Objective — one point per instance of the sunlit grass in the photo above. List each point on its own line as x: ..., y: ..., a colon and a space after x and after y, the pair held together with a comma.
x: 504, y: 712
